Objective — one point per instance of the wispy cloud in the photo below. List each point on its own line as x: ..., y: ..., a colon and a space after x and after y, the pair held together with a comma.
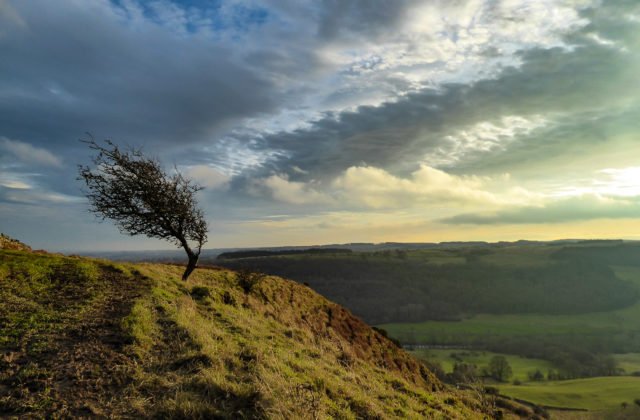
x: 29, y: 154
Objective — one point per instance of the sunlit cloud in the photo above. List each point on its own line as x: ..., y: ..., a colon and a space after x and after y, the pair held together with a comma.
x: 374, y: 188
x: 15, y: 185
x: 207, y: 176
x: 612, y: 182
x: 291, y: 192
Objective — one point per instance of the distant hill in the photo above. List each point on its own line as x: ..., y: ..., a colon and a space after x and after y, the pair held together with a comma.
x: 267, y: 253
x: 210, y: 255
x: 83, y: 337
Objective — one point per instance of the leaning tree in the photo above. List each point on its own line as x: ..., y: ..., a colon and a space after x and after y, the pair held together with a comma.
x: 142, y: 199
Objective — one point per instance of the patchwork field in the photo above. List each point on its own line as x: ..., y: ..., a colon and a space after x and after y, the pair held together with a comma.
x: 590, y: 393
x: 622, y: 324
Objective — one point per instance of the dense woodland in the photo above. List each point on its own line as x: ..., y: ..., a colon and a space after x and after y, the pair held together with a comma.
x: 400, y: 287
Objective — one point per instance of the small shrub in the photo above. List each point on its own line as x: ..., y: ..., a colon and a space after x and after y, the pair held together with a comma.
x: 227, y: 299
x: 491, y: 390
x: 637, y: 402
x: 541, y: 412
x: 200, y: 292
x: 248, y: 280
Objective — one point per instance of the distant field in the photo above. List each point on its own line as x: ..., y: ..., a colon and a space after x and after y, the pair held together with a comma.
x: 591, y: 393
x: 630, y: 362
x: 521, y: 366
x: 622, y: 322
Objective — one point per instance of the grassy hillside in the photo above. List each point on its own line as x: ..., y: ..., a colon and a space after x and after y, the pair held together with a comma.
x: 82, y: 337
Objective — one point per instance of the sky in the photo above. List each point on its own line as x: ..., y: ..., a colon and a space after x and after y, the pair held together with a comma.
x: 329, y: 121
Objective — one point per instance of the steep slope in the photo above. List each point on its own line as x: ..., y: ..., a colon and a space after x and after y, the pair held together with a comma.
x: 86, y: 337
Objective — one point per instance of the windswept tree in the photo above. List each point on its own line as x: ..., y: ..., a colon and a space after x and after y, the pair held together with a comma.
x: 135, y: 192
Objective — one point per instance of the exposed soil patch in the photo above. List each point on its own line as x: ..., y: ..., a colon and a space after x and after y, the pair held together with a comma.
x: 76, y: 364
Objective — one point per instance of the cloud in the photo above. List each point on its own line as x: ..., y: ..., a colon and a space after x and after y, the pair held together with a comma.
x: 367, y: 187
x: 413, y: 106
x: 585, y: 207
x: 10, y: 15
x: 18, y: 195
x: 377, y: 188
x: 284, y: 190
x: 207, y: 176
x: 120, y: 70
x: 363, y: 18
x: 14, y: 184
x: 484, y: 137
x: 565, y: 94
x: 30, y: 154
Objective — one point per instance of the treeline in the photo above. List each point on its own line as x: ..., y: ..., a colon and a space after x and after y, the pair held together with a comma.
x: 382, y: 290
x: 264, y: 253
x: 572, y: 358
x: 618, y: 254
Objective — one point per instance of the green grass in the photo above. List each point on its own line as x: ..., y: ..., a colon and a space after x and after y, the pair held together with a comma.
x: 520, y: 366
x: 591, y: 393
x: 630, y: 362
x: 260, y: 354
x: 468, y: 331
x: 87, y: 338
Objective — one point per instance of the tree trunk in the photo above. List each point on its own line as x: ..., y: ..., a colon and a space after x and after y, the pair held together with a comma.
x: 191, y: 265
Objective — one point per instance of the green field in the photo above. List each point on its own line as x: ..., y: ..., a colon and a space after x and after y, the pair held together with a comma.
x: 521, y: 366
x: 630, y: 362
x: 591, y: 393
x: 622, y: 322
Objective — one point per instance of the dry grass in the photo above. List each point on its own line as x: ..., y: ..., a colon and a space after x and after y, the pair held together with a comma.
x: 136, y: 341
